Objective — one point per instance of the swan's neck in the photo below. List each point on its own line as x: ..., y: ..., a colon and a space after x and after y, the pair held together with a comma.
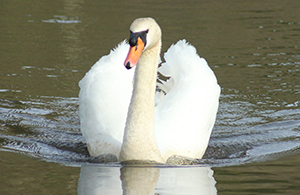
x: 139, y: 142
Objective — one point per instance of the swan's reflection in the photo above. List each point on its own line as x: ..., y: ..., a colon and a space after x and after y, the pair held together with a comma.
x: 146, y: 180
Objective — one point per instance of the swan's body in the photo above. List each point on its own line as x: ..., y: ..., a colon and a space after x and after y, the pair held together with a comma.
x: 117, y: 111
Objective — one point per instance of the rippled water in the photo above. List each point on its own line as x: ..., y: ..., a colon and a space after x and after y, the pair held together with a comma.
x: 253, y: 50
x: 244, y: 132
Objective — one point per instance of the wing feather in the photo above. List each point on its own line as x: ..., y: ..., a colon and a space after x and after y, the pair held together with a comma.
x: 186, y: 114
x: 104, y: 96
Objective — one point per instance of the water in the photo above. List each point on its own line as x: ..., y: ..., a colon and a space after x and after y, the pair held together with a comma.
x: 46, y: 48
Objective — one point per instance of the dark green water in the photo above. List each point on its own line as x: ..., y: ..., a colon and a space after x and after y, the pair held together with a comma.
x: 47, y: 47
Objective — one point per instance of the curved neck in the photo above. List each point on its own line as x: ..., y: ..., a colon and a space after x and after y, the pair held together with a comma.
x: 139, y: 142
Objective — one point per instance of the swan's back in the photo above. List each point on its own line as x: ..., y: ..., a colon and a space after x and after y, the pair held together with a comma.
x: 104, y: 96
x: 186, y: 114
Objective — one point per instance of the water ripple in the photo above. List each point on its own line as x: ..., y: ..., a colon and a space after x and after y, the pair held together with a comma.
x: 48, y: 128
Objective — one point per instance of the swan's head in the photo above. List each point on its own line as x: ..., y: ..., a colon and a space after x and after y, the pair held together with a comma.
x: 144, y: 34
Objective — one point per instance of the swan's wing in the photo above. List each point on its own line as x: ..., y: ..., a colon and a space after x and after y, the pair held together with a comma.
x: 104, y: 97
x: 186, y: 114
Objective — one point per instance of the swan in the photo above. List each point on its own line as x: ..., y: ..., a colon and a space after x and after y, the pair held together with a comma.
x: 131, y: 113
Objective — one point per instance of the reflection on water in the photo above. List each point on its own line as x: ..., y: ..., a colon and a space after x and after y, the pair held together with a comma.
x: 146, y: 180
x: 99, y: 180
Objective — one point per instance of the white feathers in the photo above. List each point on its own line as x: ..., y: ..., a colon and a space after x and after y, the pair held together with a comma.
x: 185, y: 108
x: 186, y: 115
x: 104, y: 97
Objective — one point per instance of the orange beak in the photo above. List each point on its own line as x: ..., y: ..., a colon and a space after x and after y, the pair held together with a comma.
x: 134, y: 54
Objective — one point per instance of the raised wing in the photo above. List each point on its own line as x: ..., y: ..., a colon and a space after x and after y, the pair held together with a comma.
x: 186, y: 115
x: 104, y: 96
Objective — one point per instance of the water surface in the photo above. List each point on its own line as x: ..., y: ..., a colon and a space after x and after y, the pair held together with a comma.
x: 47, y: 47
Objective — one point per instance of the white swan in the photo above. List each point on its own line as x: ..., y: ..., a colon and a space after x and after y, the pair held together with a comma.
x: 117, y: 106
